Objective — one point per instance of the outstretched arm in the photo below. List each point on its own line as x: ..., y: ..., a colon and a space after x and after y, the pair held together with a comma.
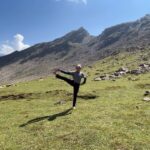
x: 84, y: 81
x: 66, y: 72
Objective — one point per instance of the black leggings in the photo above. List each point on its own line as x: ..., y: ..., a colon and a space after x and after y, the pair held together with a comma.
x: 75, y: 87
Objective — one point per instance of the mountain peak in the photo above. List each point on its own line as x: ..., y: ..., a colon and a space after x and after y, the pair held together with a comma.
x: 76, y: 36
x: 145, y: 18
x: 82, y: 29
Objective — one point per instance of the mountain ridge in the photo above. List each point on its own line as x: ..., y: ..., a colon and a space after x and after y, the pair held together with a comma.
x: 78, y: 46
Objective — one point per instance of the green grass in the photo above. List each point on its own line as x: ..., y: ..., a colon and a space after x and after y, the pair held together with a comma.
x: 117, y: 119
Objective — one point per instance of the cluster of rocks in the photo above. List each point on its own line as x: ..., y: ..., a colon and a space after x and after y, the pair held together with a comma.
x: 143, y: 68
x: 117, y: 74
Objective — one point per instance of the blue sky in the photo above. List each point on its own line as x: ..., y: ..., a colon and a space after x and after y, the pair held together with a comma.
x: 26, y: 22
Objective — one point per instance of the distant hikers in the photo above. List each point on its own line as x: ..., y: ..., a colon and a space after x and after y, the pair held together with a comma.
x: 76, y: 80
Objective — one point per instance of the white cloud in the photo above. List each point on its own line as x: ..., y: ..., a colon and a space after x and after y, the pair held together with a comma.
x: 16, y: 44
x: 76, y: 1
x: 6, y: 49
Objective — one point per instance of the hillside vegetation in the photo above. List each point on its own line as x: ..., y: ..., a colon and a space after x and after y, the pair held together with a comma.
x: 110, y: 115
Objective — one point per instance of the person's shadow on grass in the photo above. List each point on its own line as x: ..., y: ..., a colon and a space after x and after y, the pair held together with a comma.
x: 49, y: 118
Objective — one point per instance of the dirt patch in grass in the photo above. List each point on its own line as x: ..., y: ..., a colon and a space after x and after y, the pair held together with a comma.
x: 17, y: 96
x: 88, y: 96
x: 65, y: 93
x: 115, y: 87
x: 143, y: 86
x: 56, y: 93
x: 22, y: 96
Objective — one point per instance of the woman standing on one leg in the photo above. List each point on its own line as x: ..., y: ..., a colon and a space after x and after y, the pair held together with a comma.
x: 75, y: 82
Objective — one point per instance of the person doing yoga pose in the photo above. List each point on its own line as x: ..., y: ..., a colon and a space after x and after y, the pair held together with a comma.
x: 76, y: 80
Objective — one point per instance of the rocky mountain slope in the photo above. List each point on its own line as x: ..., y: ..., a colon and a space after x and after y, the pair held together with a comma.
x: 124, y: 37
x: 76, y: 46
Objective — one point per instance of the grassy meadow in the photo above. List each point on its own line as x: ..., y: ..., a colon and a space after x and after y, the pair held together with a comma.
x: 110, y: 115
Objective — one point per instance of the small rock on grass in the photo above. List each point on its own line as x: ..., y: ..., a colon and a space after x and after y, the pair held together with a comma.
x: 61, y: 102
x: 147, y: 93
x: 146, y: 99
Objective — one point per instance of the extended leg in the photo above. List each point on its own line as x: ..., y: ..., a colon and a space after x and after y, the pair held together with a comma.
x: 71, y: 82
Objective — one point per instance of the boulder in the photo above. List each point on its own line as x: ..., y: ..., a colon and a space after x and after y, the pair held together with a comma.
x: 123, y: 69
x: 144, y: 65
x: 106, y: 77
x: 122, y: 73
x: 135, y: 72
x: 97, y: 79
x: 117, y: 74
x: 102, y: 76
x: 112, y: 76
